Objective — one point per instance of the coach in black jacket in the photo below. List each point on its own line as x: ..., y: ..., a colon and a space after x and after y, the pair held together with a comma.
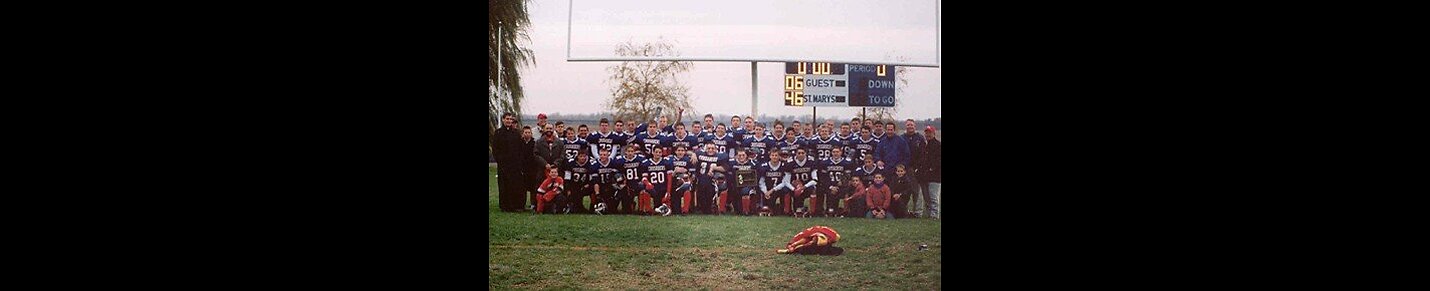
x: 932, y: 171
x: 504, y: 142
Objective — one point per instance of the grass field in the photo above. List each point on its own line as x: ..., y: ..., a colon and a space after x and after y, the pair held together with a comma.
x: 703, y: 252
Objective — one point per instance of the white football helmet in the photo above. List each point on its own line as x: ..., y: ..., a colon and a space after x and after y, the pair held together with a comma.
x: 663, y: 210
x: 600, y: 208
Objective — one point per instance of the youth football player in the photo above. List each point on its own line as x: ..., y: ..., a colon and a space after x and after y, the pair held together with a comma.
x: 572, y: 144
x: 604, y: 139
x: 651, y: 141
x: 822, y: 144
x: 834, y: 172
x: 740, y: 196
x: 790, y: 143
x: 683, y: 164
x: 578, y: 179
x: 804, y: 176
x: 775, y: 184
x: 682, y: 138
x: 736, y: 130
x: 630, y: 164
x: 760, y: 143
x: 711, y: 165
x: 864, y: 145
x: 605, y: 180
x: 723, y: 141
x: 656, y: 172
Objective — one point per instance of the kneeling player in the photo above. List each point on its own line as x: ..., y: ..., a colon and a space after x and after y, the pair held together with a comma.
x: 742, y: 191
x: 775, y: 185
x: 655, y: 172
x: 550, y: 193
x: 812, y: 240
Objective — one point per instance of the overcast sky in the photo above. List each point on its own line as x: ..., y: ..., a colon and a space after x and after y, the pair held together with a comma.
x: 836, y: 30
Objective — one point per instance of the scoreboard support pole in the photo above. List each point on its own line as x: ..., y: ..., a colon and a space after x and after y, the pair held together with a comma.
x: 754, y: 88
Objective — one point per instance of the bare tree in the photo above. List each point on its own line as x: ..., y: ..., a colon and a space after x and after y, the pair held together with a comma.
x: 643, y: 88
x: 901, y: 73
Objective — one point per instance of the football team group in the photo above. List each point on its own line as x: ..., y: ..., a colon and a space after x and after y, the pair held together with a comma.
x: 856, y: 168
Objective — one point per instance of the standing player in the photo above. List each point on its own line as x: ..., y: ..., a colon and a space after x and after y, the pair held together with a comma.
x: 656, y: 173
x: 804, y: 176
x: 573, y: 145
x: 864, y: 145
x: 651, y: 141
x: 790, y: 143
x: 604, y: 140
x: 723, y: 142
x: 760, y: 143
x: 711, y: 167
x: 630, y: 165
x: 749, y: 122
x: 833, y: 179
x: 779, y: 133
x: 578, y: 179
x: 742, y: 185
x: 736, y: 130
x: 583, y: 132
x: 606, y: 179
x: 709, y: 124
x: 823, y: 144
x: 878, y: 129
x: 856, y: 124
x: 846, y: 136
x: 682, y: 138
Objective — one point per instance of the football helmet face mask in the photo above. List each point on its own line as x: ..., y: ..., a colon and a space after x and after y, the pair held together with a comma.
x: 600, y: 208
x: 663, y: 210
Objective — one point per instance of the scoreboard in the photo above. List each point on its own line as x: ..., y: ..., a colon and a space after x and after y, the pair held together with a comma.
x: 816, y: 84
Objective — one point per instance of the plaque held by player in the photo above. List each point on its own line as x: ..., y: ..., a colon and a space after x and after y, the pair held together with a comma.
x: 745, y: 178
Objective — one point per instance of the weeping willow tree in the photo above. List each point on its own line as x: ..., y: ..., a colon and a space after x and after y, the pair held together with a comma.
x: 507, y: 30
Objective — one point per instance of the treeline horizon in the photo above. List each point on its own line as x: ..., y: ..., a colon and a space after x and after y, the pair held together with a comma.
x: 590, y: 119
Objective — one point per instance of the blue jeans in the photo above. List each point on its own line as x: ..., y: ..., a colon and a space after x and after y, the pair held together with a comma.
x: 934, y: 188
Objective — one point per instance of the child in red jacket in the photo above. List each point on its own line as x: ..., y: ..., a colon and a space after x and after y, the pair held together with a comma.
x: 550, y: 190
x: 878, y: 197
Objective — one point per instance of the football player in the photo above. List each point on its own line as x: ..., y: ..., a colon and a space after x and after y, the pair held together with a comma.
x: 846, y: 136
x: 878, y: 129
x: 804, y: 176
x: 868, y: 169
x: 743, y: 189
x: 790, y: 143
x: 682, y: 138
x: 723, y: 141
x: 833, y: 174
x: 606, y: 179
x: 710, y: 170
x: 864, y: 145
x: 760, y: 143
x: 656, y: 173
x: 823, y: 144
x: 709, y: 124
x: 604, y: 140
x: 578, y: 177
x: 651, y: 141
x: 856, y: 124
x: 682, y: 164
x: 572, y: 144
x: 775, y: 184
x: 736, y: 130
x: 629, y: 164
